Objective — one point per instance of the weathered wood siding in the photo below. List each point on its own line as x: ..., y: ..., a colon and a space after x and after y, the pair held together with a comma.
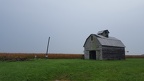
x: 92, y: 44
x: 86, y: 54
x: 113, y: 52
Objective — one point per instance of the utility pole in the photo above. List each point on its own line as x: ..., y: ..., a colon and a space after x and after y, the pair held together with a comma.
x: 47, y: 47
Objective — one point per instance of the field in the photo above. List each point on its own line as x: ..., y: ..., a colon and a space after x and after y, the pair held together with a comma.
x: 27, y: 56
x: 72, y: 70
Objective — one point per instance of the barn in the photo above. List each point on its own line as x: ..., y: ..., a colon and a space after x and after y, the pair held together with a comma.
x: 101, y: 46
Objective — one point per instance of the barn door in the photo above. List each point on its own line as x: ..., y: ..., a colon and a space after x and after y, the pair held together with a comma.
x: 92, y: 55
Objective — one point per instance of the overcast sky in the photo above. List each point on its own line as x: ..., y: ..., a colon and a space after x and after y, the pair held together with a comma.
x: 25, y: 25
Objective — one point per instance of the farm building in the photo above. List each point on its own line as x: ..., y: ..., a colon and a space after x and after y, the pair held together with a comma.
x: 103, y: 47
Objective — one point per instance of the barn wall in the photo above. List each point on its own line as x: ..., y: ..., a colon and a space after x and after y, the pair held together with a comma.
x: 98, y: 55
x: 86, y: 54
x: 91, y: 45
x: 113, y: 53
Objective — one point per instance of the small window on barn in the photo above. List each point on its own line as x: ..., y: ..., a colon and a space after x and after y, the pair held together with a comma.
x: 91, y: 38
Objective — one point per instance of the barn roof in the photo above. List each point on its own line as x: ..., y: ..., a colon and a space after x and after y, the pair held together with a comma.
x: 108, y: 41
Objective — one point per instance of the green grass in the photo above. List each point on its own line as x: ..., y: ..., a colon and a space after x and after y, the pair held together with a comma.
x: 72, y: 70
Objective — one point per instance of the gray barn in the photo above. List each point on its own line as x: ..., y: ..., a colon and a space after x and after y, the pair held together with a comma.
x: 102, y: 47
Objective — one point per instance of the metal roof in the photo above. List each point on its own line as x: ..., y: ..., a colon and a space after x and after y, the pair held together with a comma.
x: 110, y: 41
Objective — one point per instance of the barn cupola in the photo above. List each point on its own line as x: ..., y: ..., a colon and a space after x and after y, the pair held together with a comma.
x: 104, y: 33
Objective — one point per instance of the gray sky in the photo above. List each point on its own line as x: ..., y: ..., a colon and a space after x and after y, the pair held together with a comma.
x: 25, y: 25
